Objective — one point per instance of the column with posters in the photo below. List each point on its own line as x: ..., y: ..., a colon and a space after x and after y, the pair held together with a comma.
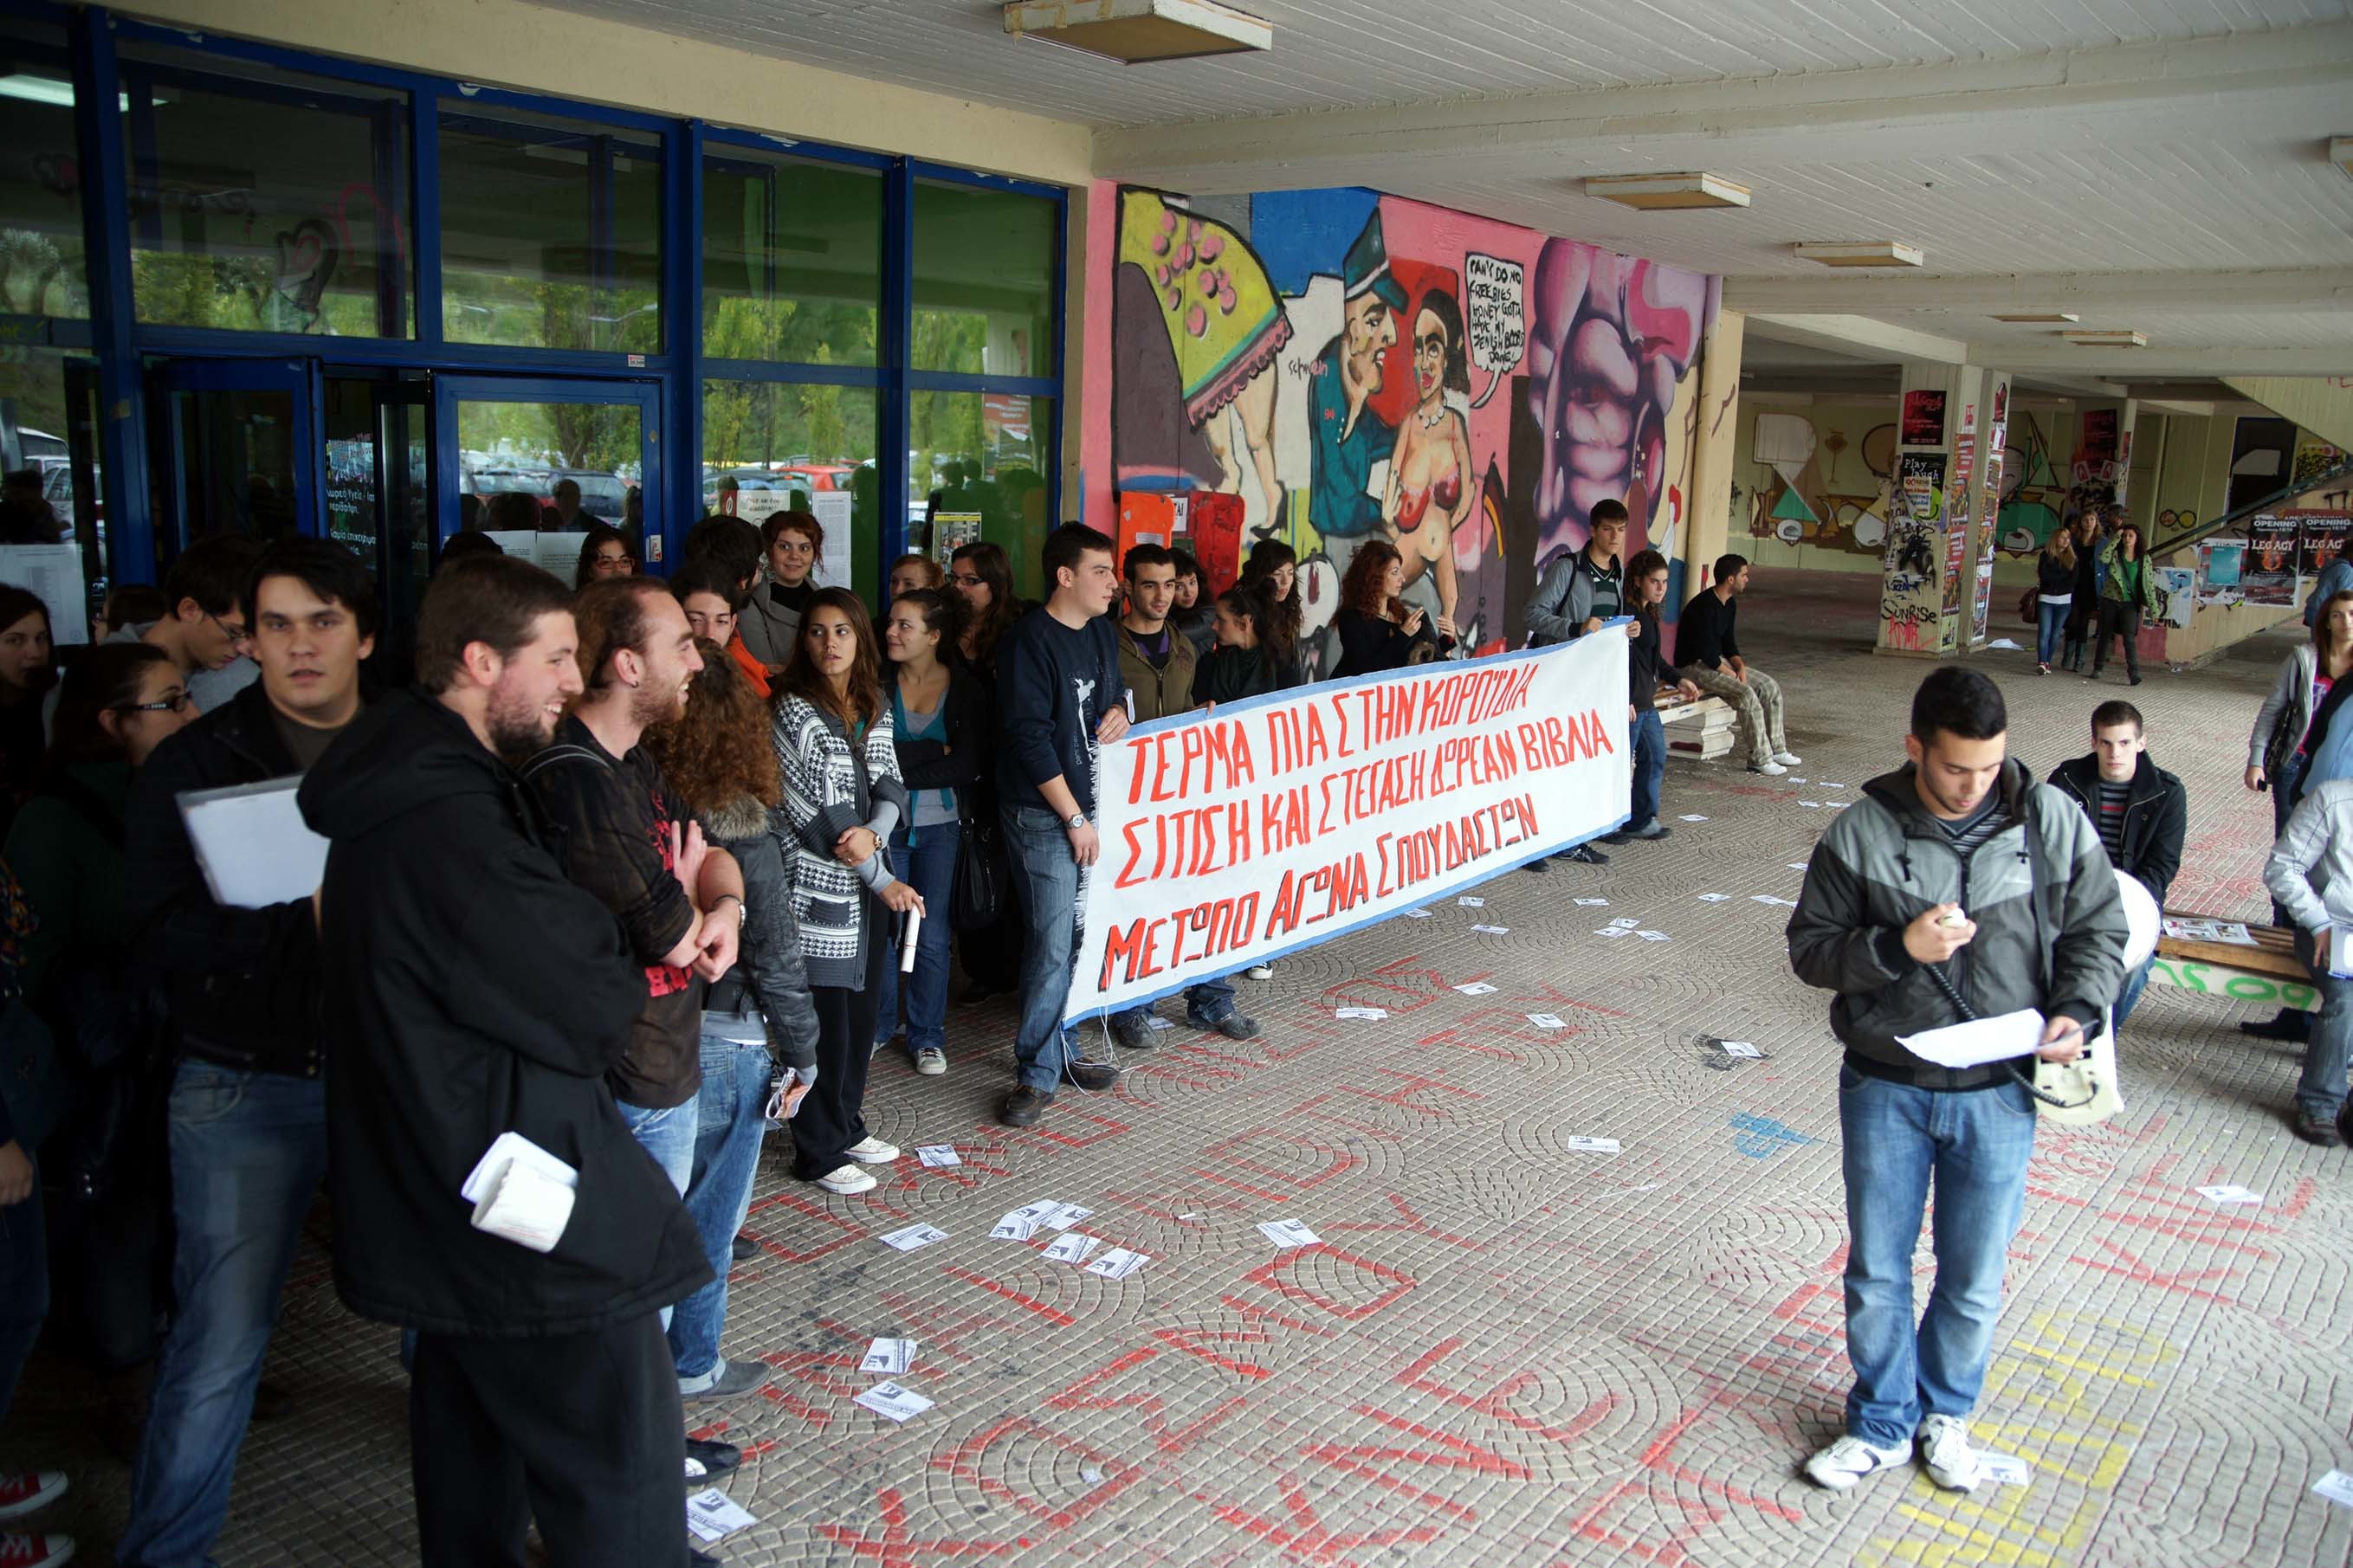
x: 1233, y: 837
x: 2269, y: 576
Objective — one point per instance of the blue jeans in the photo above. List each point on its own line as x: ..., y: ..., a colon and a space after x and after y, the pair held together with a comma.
x: 24, y: 1287
x: 1975, y: 1145
x: 729, y: 1124
x: 1048, y: 878
x: 928, y: 864
x: 668, y: 1135
x: 2135, y: 984
x: 249, y: 1152
x: 1649, y: 748
x: 2050, y: 621
x: 2328, y: 1045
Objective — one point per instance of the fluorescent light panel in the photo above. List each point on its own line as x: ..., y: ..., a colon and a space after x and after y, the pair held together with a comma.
x: 2107, y: 339
x: 1138, y: 32
x: 2047, y: 317
x: 1668, y: 192
x: 1861, y: 253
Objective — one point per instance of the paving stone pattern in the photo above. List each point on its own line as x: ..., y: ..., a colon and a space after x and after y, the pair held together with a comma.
x: 1502, y: 1351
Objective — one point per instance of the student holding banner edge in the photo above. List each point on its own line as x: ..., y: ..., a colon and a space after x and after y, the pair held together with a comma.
x: 1058, y: 687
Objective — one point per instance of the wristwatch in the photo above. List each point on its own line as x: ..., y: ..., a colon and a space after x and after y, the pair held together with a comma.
x: 1078, y: 820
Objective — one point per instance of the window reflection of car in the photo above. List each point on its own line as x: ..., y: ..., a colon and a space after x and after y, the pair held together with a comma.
x: 57, y: 489
x: 491, y: 482
x: 817, y: 476
x: 737, y: 479
x: 602, y: 495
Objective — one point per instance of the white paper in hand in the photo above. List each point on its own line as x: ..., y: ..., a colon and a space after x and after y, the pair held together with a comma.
x: 252, y: 844
x: 513, y: 1147
x: 1979, y: 1041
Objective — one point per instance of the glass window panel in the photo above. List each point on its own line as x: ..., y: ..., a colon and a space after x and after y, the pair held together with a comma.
x: 792, y: 259
x: 986, y: 265
x: 40, y: 205
x: 266, y: 201
x: 551, y: 233
x: 770, y: 445
x: 531, y: 449
x: 982, y: 455
x: 48, y: 432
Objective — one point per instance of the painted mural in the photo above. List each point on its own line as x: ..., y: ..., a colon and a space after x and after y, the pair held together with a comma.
x: 2038, y: 489
x: 1354, y: 367
x: 1821, y: 477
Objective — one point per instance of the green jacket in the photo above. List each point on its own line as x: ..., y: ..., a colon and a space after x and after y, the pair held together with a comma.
x: 2112, y: 567
x: 70, y: 871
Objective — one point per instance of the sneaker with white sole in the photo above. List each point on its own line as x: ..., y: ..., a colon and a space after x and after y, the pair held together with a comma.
x: 1788, y: 759
x: 1768, y: 766
x: 22, y: 1492
x: 1260, y: 972
x: 1848, y: 1460
x: 34, y: 1550
x: 847, y: 1180
x: 1946, y: 1454
x: 871, y: 1151
x: 931, y: 1061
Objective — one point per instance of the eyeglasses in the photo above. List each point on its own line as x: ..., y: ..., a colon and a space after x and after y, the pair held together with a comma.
x: 965, y: 580
x: 236, y: 633
x: 178, y: 702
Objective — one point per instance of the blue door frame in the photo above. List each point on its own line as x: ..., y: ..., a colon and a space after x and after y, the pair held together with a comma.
x: 646, y: 396
x: 297, y: 379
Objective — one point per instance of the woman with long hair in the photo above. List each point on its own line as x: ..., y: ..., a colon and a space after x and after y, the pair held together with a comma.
x: 1247, y: 660
x: 2083, y: 598
x: 1377, y: 630
x: 1274, y: 567
x: 120, y: 702
x: 26, y: 674
x: 2128, y: 592
x: 940, y: 723
x: 843, y: 798
x: 759, y: 1023
x: 2054, y: 577
x: 1431, y: 488
x: 604, y: 552
x: 982, y: 577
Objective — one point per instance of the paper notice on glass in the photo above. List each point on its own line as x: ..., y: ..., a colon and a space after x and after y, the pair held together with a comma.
x: 1072, y: 1248
x: 889, y: 1400
x: 712, y: 1515
x: 1288, y: 1233
x: 253, y: 845
x: 889, y: 1356
x: 51, y: 574
x: 937, y: 1154
x: 1979, y: 1041
x: 1118, y: 1263
x: 833, y: 510
x: 913, y: 1237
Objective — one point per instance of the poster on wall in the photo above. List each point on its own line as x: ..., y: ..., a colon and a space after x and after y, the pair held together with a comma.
x: 1924, y: 417
x: 1981, y: 607
x: 2268, y: 573
x: 2218, y: 565
x: 833, y: 511
x: 2179, y: 586
x: 950, y: 532
x: 2320, y: 539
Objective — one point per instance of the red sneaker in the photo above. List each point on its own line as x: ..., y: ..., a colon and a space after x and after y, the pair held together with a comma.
x: 34, y: 1550
x: 26, y: 1490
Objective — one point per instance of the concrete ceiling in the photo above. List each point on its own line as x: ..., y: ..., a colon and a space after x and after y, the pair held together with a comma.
x: 2153, y: 164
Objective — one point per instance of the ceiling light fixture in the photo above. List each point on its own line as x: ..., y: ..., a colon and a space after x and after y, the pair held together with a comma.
x: 1668, y: 192
x: 1862, y: 253
x: 2118, y: 339
x: 2046, y: 317
x: 1139, y: 31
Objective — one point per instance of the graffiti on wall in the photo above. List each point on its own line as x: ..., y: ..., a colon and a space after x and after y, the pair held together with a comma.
x: 2037, y: 492
x: 1822, y: 478
x: 1353, y: 366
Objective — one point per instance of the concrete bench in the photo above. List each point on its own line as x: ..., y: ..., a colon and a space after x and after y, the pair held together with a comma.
x: 2268, y: 972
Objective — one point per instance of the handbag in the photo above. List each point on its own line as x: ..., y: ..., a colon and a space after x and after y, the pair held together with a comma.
x: 2030, y: 607
x: 977, y: 899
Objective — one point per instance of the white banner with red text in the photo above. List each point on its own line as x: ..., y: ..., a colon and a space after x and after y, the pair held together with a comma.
x: 1233, y: 837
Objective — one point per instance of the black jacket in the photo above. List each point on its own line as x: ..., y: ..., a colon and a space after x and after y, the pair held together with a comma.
x: 1646, y: 665
x: 961, y: 761
x: 2157, y: 817
x: 1370, y: 642
x: 243, y: 983
x: 2054, y: 577
x: 471, y: 990
x: 1231, y: 674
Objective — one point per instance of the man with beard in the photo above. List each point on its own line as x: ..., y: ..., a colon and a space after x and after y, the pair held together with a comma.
x: 1348, y: 436
x: 624, y: 841
x: 471, y: 990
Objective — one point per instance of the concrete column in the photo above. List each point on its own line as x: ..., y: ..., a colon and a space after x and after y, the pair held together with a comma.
x: 1984, y: 424
x: 1716, y: 427
x: 1925, y: 586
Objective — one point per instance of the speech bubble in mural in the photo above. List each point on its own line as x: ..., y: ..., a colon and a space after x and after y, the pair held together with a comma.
x: 1496, y: 294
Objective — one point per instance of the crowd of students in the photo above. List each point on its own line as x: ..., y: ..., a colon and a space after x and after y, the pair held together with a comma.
x: 714, y: 806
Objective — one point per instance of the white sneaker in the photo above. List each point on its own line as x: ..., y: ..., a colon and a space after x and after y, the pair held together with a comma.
x: 28, y: 1492
x: 931, y: 1061
x: 1788, y: 759
x: 847, y: 1180
x: 1946, y: 1454
x: 1767, y: 767
x: 1848, y: 1460
x: 1260, y: 972
x: 35, y: 1551
x: 873, y: 1152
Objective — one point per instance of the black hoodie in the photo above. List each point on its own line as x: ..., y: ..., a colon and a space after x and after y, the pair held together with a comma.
x: 471, y: 990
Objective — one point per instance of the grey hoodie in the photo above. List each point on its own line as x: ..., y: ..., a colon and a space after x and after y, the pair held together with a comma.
x: 2051, y: 924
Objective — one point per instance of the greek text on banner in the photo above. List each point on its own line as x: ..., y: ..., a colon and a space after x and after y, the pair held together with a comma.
x: 1233, y: 837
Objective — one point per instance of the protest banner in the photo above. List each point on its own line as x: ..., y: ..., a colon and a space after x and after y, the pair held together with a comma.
x: 1234, y: 836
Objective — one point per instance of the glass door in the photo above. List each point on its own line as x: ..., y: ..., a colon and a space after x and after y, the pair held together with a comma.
x: 238, y: 451
x: 538, y: 462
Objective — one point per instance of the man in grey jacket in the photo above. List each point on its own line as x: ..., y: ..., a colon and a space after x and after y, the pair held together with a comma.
x: 2311, y: 874
x: 1956, y: 888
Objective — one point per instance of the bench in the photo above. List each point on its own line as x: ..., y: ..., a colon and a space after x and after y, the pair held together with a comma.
x: 2267, y: 974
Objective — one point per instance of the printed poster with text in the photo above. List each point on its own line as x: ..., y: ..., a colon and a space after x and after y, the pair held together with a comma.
x: 1233, y: 837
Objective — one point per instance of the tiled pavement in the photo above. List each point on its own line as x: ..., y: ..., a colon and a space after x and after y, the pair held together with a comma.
x: 1505, y: 1353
